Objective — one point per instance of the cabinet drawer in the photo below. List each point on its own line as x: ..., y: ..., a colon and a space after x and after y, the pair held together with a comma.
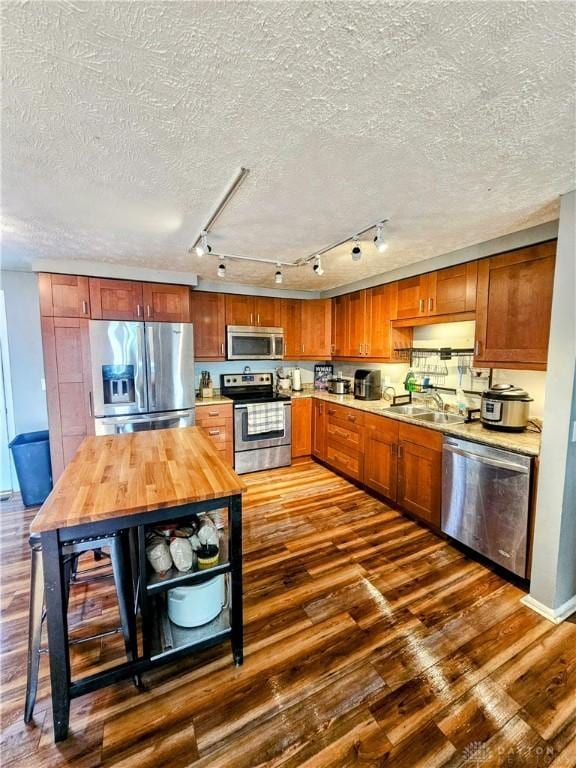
x: 213, y: 415
x: 344, y: 415
x: 348, y: 434
x: 421, y: 436
x: 219, y: 433
x: 349, y: 462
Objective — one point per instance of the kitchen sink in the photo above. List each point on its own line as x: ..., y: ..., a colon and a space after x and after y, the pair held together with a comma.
x: 435, y: 417
x: 408, y: 410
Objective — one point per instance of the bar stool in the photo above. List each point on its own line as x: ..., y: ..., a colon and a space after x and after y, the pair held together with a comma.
x: 71, y: 552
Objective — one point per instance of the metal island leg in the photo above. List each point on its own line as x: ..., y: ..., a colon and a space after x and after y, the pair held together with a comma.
x: 237, y: 627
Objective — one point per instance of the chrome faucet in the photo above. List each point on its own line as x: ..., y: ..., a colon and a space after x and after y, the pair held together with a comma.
x: 437, y: 399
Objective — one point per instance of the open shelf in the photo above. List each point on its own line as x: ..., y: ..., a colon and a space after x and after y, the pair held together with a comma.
x: 168, y: 638
x: 175, y: 578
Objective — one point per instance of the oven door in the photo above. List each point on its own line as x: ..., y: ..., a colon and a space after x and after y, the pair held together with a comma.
x: 245, y: 442
x: 255, y: 343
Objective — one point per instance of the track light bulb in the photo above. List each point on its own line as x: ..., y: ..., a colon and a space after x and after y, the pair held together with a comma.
x: 278, y: 276
x: 380, y: 240
x: 221, y: 271
x: 318, y: 267
x: 203, y: 248
x: 356, y: 251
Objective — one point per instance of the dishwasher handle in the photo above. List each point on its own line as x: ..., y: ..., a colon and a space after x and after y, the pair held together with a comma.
x: 486, y: 460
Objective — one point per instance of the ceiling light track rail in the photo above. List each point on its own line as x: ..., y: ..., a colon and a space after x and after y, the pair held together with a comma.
x: 230, y: 192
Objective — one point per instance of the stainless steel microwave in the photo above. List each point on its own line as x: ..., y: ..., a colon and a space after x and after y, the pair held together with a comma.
x: 251, y: 342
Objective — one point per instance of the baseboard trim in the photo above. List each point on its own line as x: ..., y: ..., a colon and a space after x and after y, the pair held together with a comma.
x: 556, y: 615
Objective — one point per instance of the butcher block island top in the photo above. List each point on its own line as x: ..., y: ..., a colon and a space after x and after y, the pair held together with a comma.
x: 120, y: 475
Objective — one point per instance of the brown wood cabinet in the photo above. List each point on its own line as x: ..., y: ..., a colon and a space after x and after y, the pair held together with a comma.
x: 513, y: 306
x: 63, y: 295
x: 362, y: 323
x: 420, y: 472
x: 319, y: 429
x: 316, y: 328
x: 252, y: 310
x: 345, y: 439
x: 291, y: 322
x: 216, y: 421
x: 116, y: 299
x: 449, y: 291
x: 166, y: 303
x: 381, y: 455
x: 301, y: 427
x: 67, y: 371
x: 208, y: 314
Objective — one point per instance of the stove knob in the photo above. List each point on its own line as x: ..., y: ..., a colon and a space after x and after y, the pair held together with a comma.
x: 234, y: 381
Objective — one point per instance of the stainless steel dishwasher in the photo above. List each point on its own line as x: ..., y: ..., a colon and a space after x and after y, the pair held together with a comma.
x: 485, y: 501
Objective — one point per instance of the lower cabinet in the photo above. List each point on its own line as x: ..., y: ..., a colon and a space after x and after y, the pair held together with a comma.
x: 420, y: 472
x: 319, y: 429
x: 401, y: 461
x: 301, y: 427
x: 381, y: 455
x: 216, y: 421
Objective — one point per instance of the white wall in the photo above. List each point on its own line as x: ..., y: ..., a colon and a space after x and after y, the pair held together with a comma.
x: 25, y: 347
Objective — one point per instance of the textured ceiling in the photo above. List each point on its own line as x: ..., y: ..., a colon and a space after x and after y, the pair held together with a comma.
x: 124, y: 122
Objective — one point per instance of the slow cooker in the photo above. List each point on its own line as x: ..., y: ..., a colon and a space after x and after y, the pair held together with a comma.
x: 505, y: 407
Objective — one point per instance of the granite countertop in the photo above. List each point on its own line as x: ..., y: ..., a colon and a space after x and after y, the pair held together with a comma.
x: 216, y: 399
x: 527, y: 443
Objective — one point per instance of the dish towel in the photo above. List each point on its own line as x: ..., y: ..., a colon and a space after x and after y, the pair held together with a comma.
x: 265, y: 417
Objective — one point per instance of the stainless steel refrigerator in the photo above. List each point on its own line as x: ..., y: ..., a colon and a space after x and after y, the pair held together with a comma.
x: 142, y: 375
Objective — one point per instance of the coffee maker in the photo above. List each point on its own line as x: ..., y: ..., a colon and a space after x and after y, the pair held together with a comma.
x: 367, y: 385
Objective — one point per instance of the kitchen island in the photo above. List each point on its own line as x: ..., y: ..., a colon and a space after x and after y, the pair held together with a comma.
x: 129, y: 483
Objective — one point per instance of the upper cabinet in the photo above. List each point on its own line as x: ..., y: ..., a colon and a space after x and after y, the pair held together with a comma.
x: 450, y: 291
x: 252, y: 310
x: 362, y: 324
x: 63, y: 295
x: 291, y: 322
x: 116, y: 299
x: 316, y: 328
x: 208, y: 314
x: 166, y: 303
x: 514, y: 302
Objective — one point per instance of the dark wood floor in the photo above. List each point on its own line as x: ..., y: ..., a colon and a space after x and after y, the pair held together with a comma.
x: 369, y: 642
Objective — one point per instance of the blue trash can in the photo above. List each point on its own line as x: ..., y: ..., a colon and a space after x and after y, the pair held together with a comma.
x: 31, y: 453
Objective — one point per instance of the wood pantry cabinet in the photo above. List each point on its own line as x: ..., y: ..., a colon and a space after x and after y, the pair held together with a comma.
x: 67, y: 371
x: 208, y: 314
x: 513, y: 307
x: 216, y: 422
x: 252, y: 310
x: 301, y: 427
x: 63, y: 295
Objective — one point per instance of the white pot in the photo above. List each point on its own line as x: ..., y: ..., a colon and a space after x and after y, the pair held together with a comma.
x: 197, y: 604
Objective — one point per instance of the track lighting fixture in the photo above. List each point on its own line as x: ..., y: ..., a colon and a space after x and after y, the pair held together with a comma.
x: 221, y: 271
x: 380, y: 240
x: 278, y: 278
x: 203, y: 248
x: 356, y: 250
x: 318, y: 267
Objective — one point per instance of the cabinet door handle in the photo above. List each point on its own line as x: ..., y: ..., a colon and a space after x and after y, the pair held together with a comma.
x: 332, y: 348
x: 421, y: 305
x: 360, y: 349
x: 302, y: 350
x: 148, y: 310
x: 90, y: 406
x: 222, y: 348
x: 138, y: 310
x: 258, y: 319
x: 213, y: 413
x: 251, y: 319
x: 477, y: 347
x: 330, y: 412
x: 400, y: 451
x: 84, y: 307
x: 394, y: 449
x: 430, y: 304
x: 213, y: 432
x: 351, y: 418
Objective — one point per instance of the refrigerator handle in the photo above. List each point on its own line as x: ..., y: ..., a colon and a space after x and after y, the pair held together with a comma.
x: 152, y: 367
